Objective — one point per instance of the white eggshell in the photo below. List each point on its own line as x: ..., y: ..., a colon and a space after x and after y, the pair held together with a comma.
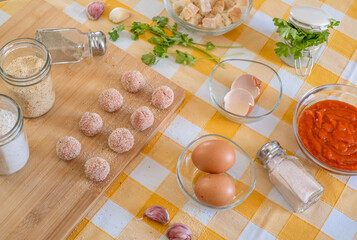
x: 239, y: 101
x: 248, y: 82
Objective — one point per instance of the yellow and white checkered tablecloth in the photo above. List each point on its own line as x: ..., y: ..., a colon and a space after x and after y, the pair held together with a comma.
x: 150, y: 178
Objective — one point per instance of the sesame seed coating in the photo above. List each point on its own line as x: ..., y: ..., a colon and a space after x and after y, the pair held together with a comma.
x: 162, y: 97
x: 68, y: 148
x: 96, y: 169
x: 91, y: 124
x: 142, y: 118
x: 133, y: 81
x: 121, y: 140
x: 110, y: 100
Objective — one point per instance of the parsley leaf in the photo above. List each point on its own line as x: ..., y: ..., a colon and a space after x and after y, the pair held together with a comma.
x: 161, y: 21
x: 282, y: 49
x: 175, y: 26
x: 185, y: 41
x: 210, y: 46
x: 333, y: 23
x: 155, y: 40
x: 163, y: 40
x: 185, y: 58
x: 149, y: 59
x: 138, y: 29
x: 296, y: 39
x: 161, y: 51
x: 135, y: 36
x: 119, y: 28
x: 157, y: 30
x: 113, y: 35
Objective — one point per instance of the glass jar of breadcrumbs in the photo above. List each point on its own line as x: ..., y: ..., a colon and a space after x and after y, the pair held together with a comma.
x: 25, y: 67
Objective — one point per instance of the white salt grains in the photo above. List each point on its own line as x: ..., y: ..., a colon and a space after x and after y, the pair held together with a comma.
x: 14, y: 153
x: 7, y: 121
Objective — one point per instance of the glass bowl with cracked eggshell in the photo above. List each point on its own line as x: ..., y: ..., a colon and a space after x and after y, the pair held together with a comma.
x: 325, y: 127
x: 215, y: 172
x: 245, y: 91
x: 208, y: 17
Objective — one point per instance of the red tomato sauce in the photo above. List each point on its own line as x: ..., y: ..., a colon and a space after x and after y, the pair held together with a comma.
x: 328, y: 129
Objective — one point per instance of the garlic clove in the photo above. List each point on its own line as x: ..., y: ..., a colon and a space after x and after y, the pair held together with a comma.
x: 178, y: 231
x: 94, y: 10
x: 158, y: 214
x: 250, y: 83
x: 239, y: 101
x: 118, y: 15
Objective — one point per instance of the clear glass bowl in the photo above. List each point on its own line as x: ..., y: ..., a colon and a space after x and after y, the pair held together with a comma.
x: 243, y: 173
x: 203, y: 31
x: 341, y: 92
x: 221, y: 79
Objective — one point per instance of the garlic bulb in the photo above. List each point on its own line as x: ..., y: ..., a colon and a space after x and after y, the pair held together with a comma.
x: 158, y: 214
x: 118, y: 15
x: 178, y: 231
x: 94, y: 10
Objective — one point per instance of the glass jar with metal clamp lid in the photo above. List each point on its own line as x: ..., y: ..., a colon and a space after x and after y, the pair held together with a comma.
x: 310, y: 20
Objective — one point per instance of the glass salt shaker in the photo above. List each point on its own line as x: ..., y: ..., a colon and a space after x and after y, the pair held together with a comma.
x: 289, y: 176
x: 308, y: 19
x: 14, y: 148
x: 70, y: 45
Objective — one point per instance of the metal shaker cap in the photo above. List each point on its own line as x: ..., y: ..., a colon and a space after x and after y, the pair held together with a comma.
x: 268, y: 150
x: 97, y: 43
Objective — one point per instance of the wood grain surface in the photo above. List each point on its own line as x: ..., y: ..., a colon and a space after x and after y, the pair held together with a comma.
x: 48, y: 197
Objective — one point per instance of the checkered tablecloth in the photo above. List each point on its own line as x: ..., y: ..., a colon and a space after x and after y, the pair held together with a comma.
x: 150, y: 178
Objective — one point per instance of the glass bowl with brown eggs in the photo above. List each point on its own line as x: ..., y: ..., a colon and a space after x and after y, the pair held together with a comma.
x: 215, y: 172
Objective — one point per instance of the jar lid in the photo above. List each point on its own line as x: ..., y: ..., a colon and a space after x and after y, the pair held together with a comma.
x: 268, y: 150
x: 309, y: 18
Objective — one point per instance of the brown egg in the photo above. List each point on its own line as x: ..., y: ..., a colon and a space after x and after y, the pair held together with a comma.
x: 215, y: 190
x: 214, y: 156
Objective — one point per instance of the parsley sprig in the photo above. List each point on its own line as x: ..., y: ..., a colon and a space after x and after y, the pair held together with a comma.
x: 297, y: 39
x: 187, y: 59
x: 164, y: 37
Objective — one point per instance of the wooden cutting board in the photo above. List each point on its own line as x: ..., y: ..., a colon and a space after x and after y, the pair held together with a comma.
x: 48, y: 197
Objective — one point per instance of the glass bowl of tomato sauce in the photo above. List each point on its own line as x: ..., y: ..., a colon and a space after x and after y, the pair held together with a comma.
x: 325, y: 127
